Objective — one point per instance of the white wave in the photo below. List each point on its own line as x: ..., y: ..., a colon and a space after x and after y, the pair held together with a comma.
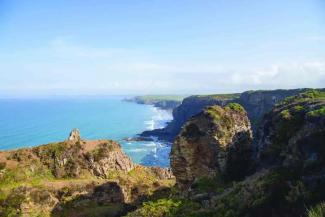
x: 138, y: 150
x: 159, y: 119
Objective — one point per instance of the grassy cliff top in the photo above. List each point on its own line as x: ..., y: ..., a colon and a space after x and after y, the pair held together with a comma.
x: 221, y: 96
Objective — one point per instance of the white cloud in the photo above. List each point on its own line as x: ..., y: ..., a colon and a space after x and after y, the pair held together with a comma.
x: 68, y: 68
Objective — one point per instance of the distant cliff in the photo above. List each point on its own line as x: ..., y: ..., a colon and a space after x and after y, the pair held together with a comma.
x: 167, y: 102
x: 256, y: 103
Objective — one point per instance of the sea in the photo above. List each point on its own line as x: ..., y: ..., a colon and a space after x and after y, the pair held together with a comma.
x: 32, y: 122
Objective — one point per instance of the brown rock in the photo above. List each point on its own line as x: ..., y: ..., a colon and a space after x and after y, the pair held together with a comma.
x: 216, y: 142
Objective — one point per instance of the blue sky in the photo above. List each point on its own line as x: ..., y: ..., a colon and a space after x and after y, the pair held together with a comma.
x: 159, y: 46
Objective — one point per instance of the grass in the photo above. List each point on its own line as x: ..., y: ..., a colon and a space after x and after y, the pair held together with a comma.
x: 236, y: 107
x: 317, y: 211
x: 317, y: 113
x: 222, y: 96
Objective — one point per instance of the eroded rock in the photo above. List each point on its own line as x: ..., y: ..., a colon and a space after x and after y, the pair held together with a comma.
x: 216, y: 142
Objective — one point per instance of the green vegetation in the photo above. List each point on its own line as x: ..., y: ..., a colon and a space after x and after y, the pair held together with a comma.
x: 2, y: 165
x: 317, y: 211
x: 221, y: 96
x: 167, y: 208
x: 305, y: 96
x: 317, y: 113
x: 236, y: 107
x: 209, y: 185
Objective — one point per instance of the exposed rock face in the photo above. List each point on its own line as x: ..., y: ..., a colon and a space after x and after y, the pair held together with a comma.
x: 69, y: 159
x: 190, y: 106
x: 74, y: 135
x: 216, y: 142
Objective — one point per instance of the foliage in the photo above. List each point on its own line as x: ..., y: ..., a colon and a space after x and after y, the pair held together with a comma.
x: 317, y: 211
x: 166, y: 208
x: 317, y: 113
x: 220, y: 96
x: 236, y: 107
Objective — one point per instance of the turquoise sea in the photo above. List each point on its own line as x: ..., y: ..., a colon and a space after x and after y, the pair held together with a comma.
x: 31, y: 122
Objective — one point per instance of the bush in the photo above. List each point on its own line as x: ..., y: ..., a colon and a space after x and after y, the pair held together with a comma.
x: 2, y: 165
x: 317, y: 211
x: 235, y: 107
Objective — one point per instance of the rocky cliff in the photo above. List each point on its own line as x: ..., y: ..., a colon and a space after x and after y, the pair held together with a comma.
x: 256, y: 103
x: 167, y: 102
x: 190, y: 106
x: 216, y: 142
x: 288, y: 178
x: 75, y: 178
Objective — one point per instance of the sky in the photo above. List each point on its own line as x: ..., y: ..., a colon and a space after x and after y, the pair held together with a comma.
x: 122, y: 47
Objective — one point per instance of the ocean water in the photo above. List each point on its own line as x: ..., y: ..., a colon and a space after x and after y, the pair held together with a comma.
x: 31, y: 122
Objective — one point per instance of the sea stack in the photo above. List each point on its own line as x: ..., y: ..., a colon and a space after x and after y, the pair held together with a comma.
x: 74, y: 135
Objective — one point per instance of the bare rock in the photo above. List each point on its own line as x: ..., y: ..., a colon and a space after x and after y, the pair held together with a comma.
x: 74, y: 135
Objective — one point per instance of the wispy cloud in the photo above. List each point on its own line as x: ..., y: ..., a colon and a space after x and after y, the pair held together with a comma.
x: 72, y: 68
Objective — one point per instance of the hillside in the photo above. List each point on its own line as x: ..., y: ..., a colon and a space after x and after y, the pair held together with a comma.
x: 75, y: 178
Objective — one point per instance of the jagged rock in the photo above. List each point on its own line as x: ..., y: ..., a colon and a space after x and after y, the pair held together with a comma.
x: 74, y: 135
x: 162, y: 173
x: 216, y: 142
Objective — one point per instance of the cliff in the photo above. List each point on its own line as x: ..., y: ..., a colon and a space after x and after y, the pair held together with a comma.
x: 215, y: 142
x: 167, y: 102
x: 287, y: 177
x: 75, y: 178
x: 256, y: 103
x: 190, y: 106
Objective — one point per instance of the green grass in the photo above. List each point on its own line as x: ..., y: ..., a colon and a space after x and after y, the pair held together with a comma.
x: 236, y: 107
x: 305, y: 96
x: 221, y: 96
x: 317, y: 113
x: 317, y: 211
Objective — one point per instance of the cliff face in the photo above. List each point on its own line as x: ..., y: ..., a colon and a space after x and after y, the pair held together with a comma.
x: 75, y: 178
x: 190, y: 106
x: 216, y: 142
x: 256, y: 103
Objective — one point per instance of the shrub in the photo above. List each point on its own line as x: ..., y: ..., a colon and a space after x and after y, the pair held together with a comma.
x: 235, y: 107
x: 317, y: 211
x: 2, y: 165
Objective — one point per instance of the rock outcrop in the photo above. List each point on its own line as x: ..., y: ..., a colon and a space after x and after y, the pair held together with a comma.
x: 190, y: 106
x: 75, y: 177
x: 216, y: 142
x: 74, y: 135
